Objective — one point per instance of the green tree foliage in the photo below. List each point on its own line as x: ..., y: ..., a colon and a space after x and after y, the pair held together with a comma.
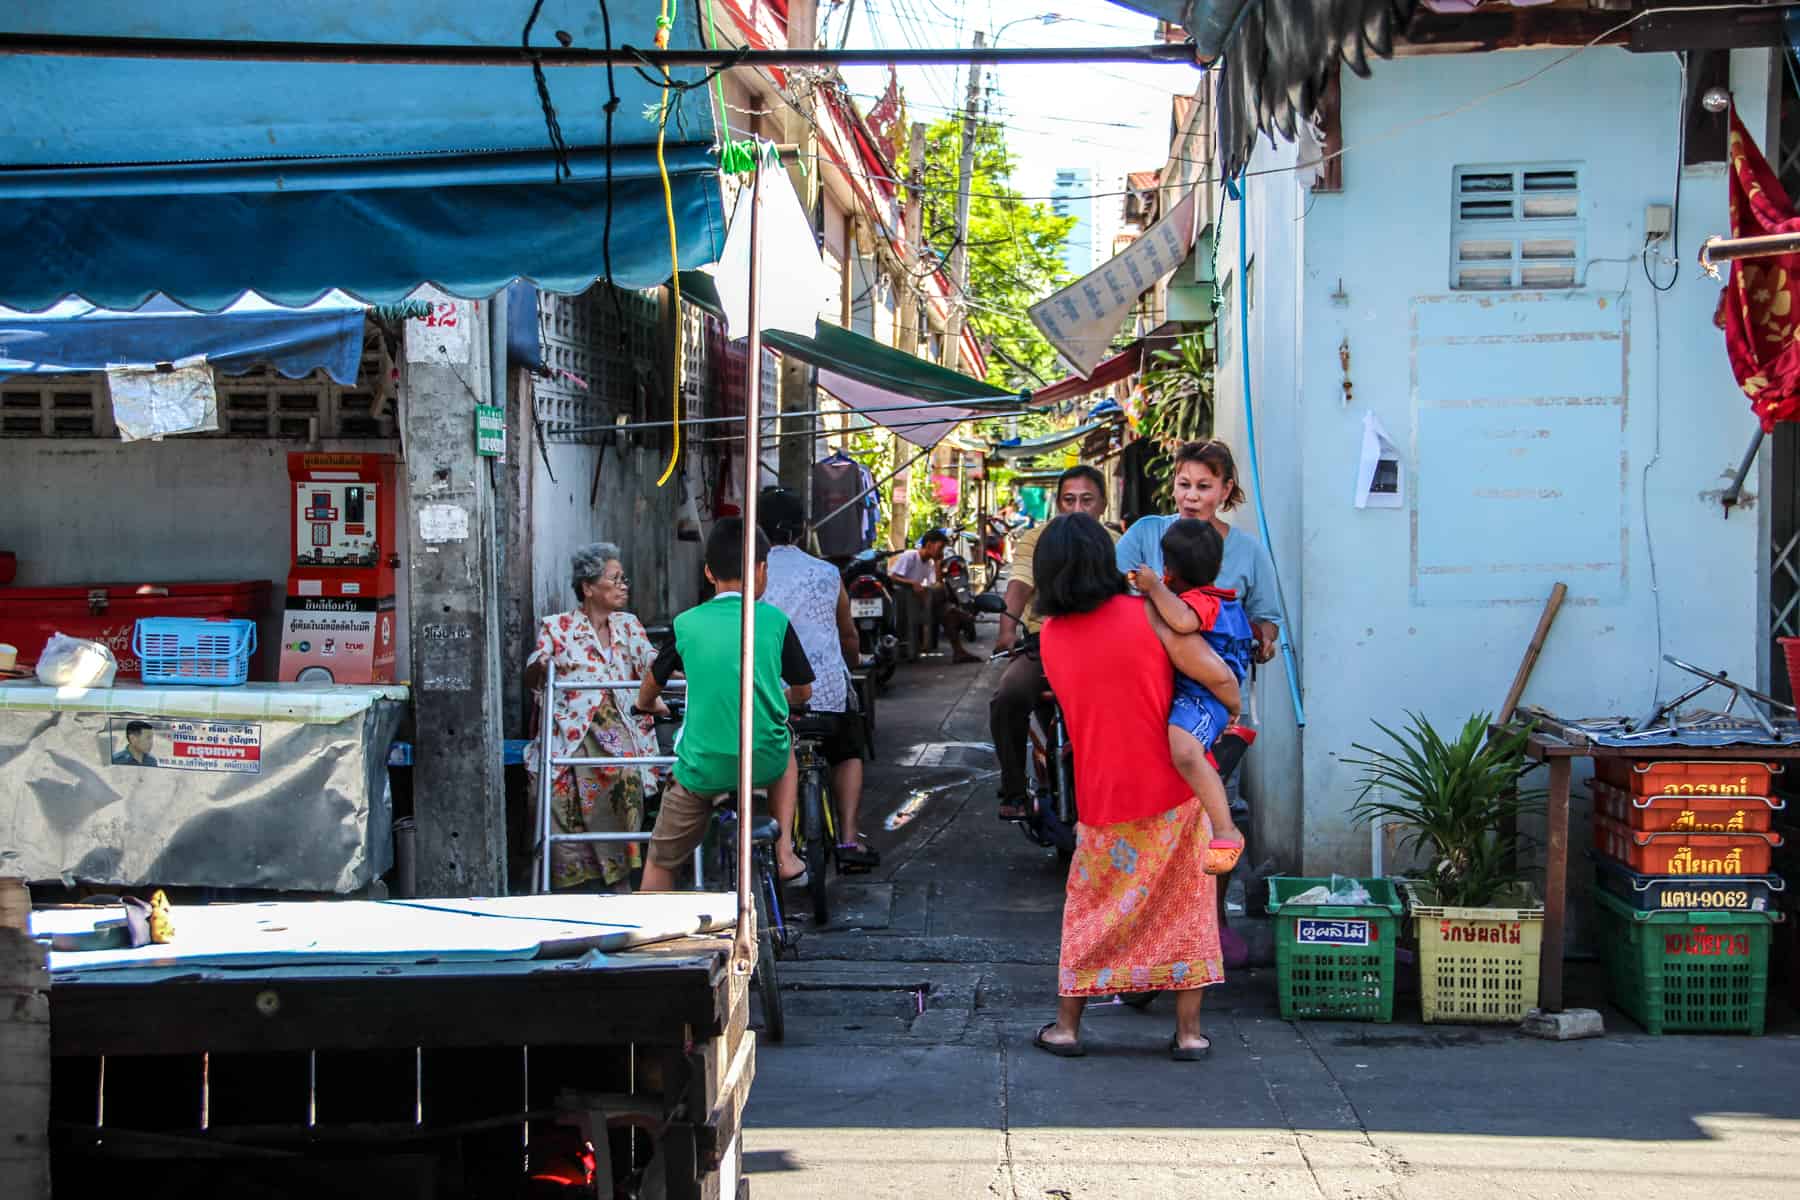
x: 1178, y: 404
x: 1014, y: 250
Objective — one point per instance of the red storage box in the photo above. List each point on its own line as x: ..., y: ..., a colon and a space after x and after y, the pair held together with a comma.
x: 1672, y: 777
x: 1686, y: 814
x: 108, y: 612
x: 1681, y: 853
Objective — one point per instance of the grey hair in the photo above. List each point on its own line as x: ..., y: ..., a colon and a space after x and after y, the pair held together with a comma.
x: 588, y: 562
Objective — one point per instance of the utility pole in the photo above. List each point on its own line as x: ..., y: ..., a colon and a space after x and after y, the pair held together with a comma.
x: 797, y: 392
x: 911, y: 293
x: 959, y: 253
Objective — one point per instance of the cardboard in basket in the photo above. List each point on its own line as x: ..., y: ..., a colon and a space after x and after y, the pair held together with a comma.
x: 1678, y: 852
x: 1691, y: 814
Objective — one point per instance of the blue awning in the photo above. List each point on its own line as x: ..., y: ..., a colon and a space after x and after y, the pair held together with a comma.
x: 203, y: 180
x: 76, y: 336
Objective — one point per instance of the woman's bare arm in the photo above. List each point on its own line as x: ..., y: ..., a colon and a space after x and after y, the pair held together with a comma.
x: 1189, y: 654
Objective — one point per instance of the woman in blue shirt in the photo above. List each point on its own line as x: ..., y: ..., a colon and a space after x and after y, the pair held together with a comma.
x: 1206, y: 485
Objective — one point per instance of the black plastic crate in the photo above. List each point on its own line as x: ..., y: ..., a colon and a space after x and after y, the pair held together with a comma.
x: 1687, y: 893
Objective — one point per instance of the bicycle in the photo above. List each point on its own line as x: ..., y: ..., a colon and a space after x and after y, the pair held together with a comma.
x: 1050, y: 767
x: 771, y: 930
x: 772, y: 934
x: 815, y: 832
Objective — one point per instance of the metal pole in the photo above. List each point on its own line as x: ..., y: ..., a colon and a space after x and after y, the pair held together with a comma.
x: 406, y: 54
x: 546, y: 726
x: 976, y: 413
x: 743, y: 945
x: 1723, y: 249
x: 1735, y: 492
x: 891, y: 427
x: 959, y: 251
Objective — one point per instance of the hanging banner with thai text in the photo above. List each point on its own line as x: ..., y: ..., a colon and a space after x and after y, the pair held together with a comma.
x: 1081, y: 320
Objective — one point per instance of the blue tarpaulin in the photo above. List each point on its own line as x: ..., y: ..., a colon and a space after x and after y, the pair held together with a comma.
x: 202, y: 180
x: 76, y: 336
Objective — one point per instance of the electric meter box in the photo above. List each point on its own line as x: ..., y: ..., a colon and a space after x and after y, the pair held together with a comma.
x: 338, y: 624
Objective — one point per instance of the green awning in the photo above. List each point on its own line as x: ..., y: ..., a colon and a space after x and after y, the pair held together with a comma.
x: 889, y: 386
x: 1029, y: 447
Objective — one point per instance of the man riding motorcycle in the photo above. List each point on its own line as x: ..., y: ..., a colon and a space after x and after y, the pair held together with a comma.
x: 1079, y: 489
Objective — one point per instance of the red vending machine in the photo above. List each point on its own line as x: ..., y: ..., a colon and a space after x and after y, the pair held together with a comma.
x: 338, y: 624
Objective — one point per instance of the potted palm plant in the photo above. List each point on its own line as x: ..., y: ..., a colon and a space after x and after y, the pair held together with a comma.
x: 1457, y: 802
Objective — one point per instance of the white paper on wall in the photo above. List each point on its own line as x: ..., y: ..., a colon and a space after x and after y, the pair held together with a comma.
x: 156, y: 401
x: 1380, y: 477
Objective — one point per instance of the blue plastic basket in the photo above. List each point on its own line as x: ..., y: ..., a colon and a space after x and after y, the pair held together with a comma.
x: 197, y: 650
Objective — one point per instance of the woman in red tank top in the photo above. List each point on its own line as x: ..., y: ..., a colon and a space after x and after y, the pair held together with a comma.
x: 1138, y: 914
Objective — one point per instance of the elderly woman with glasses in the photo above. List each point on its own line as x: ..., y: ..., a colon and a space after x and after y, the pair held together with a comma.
x: 597, y: 641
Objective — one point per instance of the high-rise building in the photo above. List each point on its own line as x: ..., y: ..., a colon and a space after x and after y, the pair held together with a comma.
x: 1072, y: 196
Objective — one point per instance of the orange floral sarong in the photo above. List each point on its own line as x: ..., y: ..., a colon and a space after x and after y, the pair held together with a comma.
x: 1140, y: 910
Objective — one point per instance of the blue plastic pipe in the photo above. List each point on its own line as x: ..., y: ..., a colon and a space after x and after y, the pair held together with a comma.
x: 1239, y: 191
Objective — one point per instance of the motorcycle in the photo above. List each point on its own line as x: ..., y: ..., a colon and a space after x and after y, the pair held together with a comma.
x: 959, y: 569
x: 1050, y: 766
x: 872, y: 611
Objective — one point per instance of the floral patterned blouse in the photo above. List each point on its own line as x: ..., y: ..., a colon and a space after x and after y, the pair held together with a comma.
x: 571, y: 642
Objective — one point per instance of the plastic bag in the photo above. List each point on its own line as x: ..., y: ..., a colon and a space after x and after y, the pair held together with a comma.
x: 1343, y: 889
x: 76, y: 662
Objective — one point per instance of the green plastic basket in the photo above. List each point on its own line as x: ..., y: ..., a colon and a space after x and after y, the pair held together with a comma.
x: 1335, y: 961
x: 1699, y: 972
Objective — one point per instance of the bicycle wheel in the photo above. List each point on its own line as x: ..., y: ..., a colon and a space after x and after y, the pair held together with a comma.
x: 815, y: 850
x: 767, y: 982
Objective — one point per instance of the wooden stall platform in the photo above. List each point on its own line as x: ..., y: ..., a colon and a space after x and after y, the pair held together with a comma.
x: 405, y: 1048
x: 1557, y: 744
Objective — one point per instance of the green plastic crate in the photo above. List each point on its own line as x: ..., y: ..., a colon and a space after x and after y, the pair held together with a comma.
x: 1700, y: 972
x: 1335, y: 961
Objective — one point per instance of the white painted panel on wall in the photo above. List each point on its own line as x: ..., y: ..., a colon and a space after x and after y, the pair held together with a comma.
x: 1519, y: 408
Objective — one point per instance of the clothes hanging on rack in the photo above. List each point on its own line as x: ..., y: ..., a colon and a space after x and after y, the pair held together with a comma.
x: 838, y: 480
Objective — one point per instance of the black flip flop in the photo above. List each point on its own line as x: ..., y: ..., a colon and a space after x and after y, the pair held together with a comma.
x: 1019, y: 812
x: 800, y: 880
x: 856, y: 856
x: 1181, y: 1053
x: 1060, y: 1049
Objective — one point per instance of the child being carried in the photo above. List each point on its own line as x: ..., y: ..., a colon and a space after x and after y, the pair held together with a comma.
x: 1183, y: 596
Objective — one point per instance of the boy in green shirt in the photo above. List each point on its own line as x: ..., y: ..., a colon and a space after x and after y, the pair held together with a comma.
x: 707, y: 641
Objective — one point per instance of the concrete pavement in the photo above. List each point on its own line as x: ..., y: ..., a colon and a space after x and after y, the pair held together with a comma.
x: 909, y: 1070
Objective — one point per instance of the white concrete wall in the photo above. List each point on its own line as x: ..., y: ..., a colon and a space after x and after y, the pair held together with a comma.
x: 183, y: 510
x: 630, y: 511
x: 1272, y: 779
x: 1429, y: 607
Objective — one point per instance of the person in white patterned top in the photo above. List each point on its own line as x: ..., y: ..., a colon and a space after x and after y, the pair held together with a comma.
x: 811, y: 592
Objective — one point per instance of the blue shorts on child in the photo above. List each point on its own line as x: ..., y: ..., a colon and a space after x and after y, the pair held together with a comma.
x: 1198, y: 711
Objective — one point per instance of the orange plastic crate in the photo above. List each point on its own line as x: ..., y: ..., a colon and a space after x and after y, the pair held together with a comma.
x: 1686, y: 814
x: 1671, y: 777
x: 1678, y: 852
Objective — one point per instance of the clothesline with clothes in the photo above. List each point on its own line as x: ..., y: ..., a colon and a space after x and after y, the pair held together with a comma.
x: 853, y: 496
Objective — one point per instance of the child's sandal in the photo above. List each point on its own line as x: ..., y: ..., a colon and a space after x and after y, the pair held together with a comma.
x: 1222, y: 856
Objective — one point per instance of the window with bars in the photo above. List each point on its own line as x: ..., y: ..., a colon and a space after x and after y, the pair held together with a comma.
x: 1516, y: 227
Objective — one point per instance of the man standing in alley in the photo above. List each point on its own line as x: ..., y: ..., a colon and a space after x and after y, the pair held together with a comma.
x: 1080, y: 489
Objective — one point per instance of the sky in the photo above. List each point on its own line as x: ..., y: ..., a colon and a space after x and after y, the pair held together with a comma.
x: 1111, y: 118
